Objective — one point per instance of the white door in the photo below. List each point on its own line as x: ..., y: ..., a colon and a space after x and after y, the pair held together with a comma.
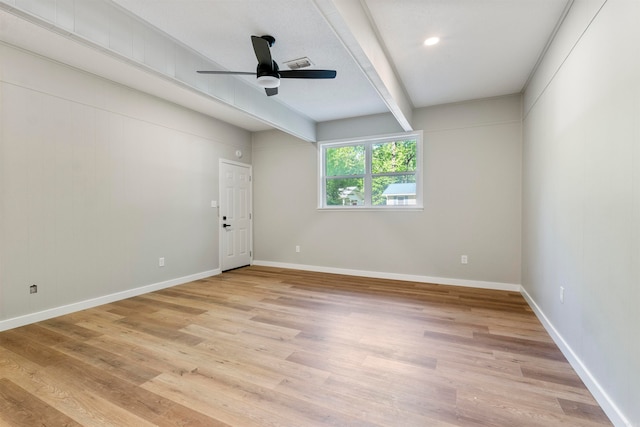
x: 235, y: 214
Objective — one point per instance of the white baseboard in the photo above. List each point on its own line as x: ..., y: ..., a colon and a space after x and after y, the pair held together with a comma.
x: 606, y: 403
x: 83, y: 305
x: 396, y: 276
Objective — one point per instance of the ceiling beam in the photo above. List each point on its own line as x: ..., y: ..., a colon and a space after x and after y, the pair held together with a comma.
x: 87, y: 35
x: 350, y: 21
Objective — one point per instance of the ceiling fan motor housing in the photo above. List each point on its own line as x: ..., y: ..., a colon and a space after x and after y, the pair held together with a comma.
x: 268, y: 77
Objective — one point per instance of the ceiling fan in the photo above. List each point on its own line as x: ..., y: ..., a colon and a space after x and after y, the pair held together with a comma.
x: 268, y: 74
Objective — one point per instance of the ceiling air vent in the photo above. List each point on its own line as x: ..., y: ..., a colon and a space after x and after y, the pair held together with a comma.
x: 296, y: 64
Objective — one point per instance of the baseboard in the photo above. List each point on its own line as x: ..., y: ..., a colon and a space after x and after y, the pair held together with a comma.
x: 395, y: 276
x: 94, y: 302
x: 606, y: 403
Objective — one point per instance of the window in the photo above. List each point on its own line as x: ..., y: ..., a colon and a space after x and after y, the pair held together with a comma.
x: 380, y: 173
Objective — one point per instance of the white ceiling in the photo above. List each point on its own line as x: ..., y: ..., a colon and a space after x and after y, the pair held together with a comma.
x: 221, y: 30
x: 488, y: 48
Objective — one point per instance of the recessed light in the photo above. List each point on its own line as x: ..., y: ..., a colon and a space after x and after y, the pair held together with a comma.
x: 431, y: 41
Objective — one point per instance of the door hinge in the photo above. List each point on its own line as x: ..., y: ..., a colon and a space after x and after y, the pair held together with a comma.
x: 250, y: 217
x: 250, y: 254
x: 250, y: 178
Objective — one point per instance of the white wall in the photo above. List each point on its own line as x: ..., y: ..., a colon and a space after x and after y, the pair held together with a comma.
x: 581, y: 199
x: 472, y: 158
x: 97, y: 182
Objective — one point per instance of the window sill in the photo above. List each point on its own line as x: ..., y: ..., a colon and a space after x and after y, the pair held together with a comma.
x: 370, y: 209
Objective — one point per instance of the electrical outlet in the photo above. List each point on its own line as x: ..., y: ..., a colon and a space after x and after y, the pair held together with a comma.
x: 33, y: 289
x: 561, y: 294
x: 464, y: 259
x: 297, y: 248
x: 161, y: 262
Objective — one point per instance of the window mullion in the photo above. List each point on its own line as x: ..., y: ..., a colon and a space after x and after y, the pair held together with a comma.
x: 367, y: 175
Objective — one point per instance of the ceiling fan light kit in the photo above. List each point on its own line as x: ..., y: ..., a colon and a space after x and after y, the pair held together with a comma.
x: 267, y: 72
x: 268, y: 81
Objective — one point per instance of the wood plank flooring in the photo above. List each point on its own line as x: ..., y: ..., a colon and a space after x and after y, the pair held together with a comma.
x: 272, y: 347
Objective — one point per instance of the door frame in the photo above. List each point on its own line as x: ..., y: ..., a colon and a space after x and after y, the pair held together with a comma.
x: 220, y: 192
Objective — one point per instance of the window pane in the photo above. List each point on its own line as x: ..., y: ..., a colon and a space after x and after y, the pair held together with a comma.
x: 396, y: 156
x: 345, y: 192
x: 393, y: 190
x: 347, y: 160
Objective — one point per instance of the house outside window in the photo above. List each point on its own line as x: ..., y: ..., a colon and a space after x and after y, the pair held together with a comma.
x: 378, y: 173
x: 400, y: 194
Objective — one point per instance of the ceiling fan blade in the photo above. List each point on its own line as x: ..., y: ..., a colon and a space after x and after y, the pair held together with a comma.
x: 247, y: 73
x: 307, y: 74
x: 261, y: 47
x: 268, y: 72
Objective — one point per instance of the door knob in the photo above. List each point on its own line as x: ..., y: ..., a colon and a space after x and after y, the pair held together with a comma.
x: 226, y: 225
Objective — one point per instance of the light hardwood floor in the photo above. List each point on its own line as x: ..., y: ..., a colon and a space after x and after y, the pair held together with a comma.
x: 271, y: 347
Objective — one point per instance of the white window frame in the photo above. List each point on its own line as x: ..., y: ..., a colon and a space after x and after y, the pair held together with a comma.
x: 368, y: 142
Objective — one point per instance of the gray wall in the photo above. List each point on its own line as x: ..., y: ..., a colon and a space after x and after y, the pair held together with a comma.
x: 581, y: 198
x: 98, y: 181
x: 376, y: 124
x: 472, y: 158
